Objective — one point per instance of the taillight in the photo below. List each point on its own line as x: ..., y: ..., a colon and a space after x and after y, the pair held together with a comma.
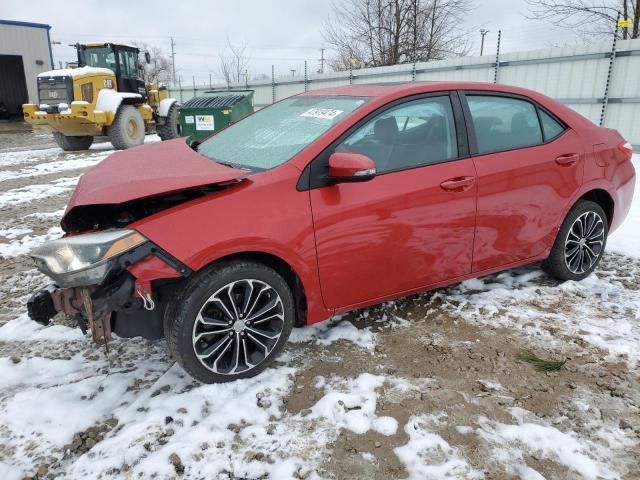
x: 626, y: 149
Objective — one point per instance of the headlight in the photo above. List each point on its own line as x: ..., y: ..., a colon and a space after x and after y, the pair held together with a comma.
x: 84, y: 259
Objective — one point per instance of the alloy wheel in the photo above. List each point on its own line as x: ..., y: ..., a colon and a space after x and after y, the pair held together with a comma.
x: 238, y: 326
x: 584, y: 242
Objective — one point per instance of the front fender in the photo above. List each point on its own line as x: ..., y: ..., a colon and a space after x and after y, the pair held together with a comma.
x: 267, y: 215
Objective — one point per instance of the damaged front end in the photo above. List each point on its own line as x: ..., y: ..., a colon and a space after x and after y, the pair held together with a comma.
x: 104, y: 280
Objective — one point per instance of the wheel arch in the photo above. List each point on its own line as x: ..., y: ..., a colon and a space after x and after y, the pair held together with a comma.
x: 602, y: 198
x: 283, y: 268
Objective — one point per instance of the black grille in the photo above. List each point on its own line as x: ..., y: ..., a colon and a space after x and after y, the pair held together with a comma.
x: 55, y: 90
x: 218, y: 101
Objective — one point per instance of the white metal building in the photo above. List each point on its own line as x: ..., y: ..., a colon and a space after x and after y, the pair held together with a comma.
x: 25, y: 51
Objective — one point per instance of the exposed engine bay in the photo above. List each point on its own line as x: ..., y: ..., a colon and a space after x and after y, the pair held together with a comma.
x: 102, y: 217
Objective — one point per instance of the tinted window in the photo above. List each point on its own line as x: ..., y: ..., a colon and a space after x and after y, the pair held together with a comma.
x: 408, y: 135
x: 102, y: 57
x: 503, y: 123
x: 128, y: 63
x: 276, y: 133
x: 550, y: 126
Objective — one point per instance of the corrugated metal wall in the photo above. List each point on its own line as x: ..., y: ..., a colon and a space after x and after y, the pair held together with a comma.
x: 33, y: 45
x: 575, y: 76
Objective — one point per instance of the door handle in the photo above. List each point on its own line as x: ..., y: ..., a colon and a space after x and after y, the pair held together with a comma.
x: 458, y: 184
x: 567, y: 160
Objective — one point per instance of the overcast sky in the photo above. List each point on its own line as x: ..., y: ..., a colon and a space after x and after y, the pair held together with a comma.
x: 280, y: 32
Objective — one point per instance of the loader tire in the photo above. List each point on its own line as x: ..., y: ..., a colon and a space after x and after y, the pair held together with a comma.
x: 127, y: 129
x: 72, y: 144
x: 170, y: 129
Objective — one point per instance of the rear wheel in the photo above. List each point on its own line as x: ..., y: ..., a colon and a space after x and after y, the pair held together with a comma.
x: 580, y: 242
x: 71, y: 144
x: 170, y: 129
x: 232, y: 322
x: 127, y: 129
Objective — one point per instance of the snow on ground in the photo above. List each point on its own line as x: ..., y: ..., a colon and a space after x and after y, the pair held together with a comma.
x: 349, y: 398
x: 26, y: 243
x: 53, y: 167
x: 32, y: 192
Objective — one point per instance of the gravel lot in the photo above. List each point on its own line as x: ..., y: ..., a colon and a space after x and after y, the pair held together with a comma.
x: 425, y: 387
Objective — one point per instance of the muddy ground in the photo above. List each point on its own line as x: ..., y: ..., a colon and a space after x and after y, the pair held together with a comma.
x: 446, y: 360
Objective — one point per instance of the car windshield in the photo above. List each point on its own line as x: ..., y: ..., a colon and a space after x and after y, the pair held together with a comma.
x: 275, y: 134
x: 103, y: 57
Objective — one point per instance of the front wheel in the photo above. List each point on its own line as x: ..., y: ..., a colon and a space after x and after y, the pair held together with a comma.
x: 72, y: 144
x: 580, y: 242
x: 127, y: 129
x: 232, y: 321
x: 170, y: 128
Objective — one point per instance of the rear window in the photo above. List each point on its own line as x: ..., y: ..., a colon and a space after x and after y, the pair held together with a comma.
x: 503, y: 123
x: 276, y: 133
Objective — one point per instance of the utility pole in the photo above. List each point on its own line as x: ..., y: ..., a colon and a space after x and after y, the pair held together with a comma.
x: 173, y: 61
x: 321, y: 60
x: 293, y: 72
x: 483, y: 32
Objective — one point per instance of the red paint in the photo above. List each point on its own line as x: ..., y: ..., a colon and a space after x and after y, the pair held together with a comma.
x: 357, y: 244
x: 343, y: 164
x: 148, y: 170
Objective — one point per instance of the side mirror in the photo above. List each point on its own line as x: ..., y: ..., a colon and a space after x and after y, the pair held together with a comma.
x: 350, y: 167
x: 147, y: 57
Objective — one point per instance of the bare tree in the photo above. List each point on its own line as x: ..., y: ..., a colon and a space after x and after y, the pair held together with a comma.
x: 159, y: 69
x: 588, y: 17
x: 233, y: 63
x: 371, y: 33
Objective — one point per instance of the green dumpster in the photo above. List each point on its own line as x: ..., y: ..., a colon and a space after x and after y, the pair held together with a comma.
x: 202, y: 115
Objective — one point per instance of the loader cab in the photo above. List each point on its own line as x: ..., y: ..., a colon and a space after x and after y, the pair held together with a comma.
x: 121, y: 59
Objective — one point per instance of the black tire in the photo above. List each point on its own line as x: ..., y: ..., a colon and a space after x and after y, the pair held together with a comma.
x: 170, y: 129
x: 127, y: 129
x: 225, y: 337
x: 72, y: 144
x: 564, y: 261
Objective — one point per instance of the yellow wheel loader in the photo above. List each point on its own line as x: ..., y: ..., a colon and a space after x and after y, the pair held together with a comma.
x: 104, y: 96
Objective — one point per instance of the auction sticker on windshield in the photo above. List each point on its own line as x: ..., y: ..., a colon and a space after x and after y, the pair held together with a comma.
x: 326, y: 113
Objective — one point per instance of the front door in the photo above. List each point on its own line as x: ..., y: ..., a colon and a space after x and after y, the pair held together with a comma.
x: 529, y: 164
x: 410, y: 226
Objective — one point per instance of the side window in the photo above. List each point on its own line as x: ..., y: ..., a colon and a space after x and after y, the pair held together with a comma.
x: 503, y: 123
x: 550, y: 126
x: 414, y: 133
x: 128, y: 65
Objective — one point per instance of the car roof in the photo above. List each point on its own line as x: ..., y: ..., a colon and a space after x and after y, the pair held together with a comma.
x: 390, y: 88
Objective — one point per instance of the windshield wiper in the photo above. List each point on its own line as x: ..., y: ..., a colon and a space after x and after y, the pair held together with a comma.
x: 195, y: 144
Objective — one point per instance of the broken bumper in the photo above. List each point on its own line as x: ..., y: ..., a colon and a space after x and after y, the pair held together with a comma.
x: 130, y: 302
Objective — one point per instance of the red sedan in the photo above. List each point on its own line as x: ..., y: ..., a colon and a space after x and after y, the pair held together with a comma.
x: 326, y: 202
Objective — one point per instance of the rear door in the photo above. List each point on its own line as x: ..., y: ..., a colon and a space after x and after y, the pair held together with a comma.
x: 529, y: 164
x: 410, y: 226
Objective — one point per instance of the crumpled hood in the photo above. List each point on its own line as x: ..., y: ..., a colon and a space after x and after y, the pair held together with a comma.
x: 147, y: 171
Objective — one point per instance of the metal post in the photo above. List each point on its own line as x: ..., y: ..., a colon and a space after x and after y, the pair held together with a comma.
x: 483, y: 32
x: 273, y: 84
x: 350, y: 72
x: 210, y: 84
x: 305, y: 76
x: 193, y: 78
x: 180, y: 86
x: 612, y: 57
x: 173, y: 62
x: 497, y: 66
x: 413, y: 72
x: 246, y: 79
